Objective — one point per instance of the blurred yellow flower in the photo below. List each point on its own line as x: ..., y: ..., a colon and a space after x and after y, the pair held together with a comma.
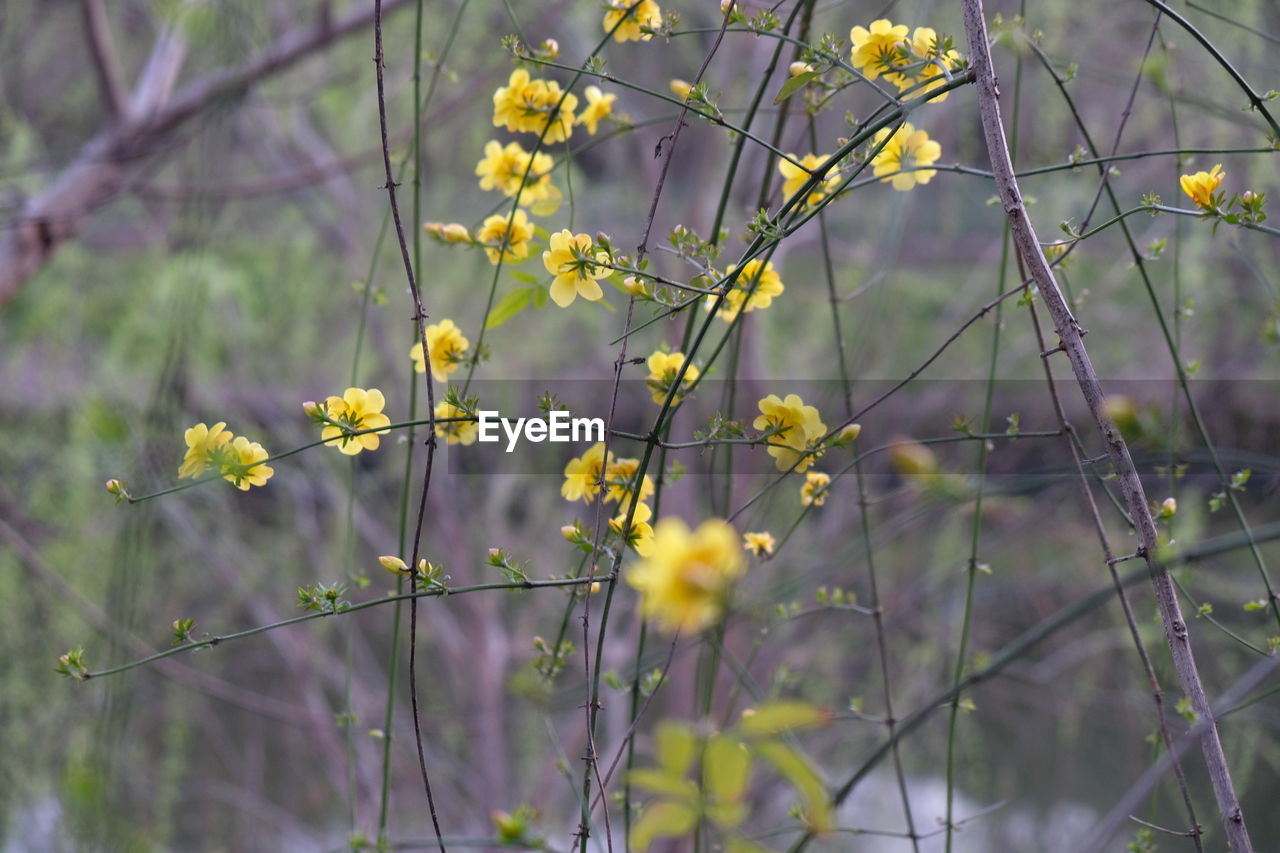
x: 796, y: 428
x: 462, y: 432
x: 202, y: 442
x: 599, y: 106
x: 452, y: 232
x: 762, y: 292
x: 907, y: 149
x: 515, y: 233
x: 646, y: 13
x: 877, y: 50
x: 527, y: 105
x: 814, y: 490
x: 356, y: 410
x: 569, y: 260
x: 242, y: 464
x: 680, y: 88
x: 759, y: 543
x: 684, y: 581
x: 583, y: 474
x: 1202, y: 185
x: 912, y: 459
x: 663, y: 368
x: 448, y: 350
x: 795, y: 177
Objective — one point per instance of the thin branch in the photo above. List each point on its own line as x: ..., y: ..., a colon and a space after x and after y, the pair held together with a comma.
x: 1071, y: 335
x: 102, y: 48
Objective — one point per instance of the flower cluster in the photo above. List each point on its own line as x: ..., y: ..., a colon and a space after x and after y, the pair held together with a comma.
x: 921, y: 60
x: 526, y: 105
x: 515, y: 172
x: 239, y: 460
x: 645, y: 14
x: 585, y: 475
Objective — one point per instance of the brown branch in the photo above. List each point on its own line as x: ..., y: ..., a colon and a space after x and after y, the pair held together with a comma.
x: 1072, y: 337
x: 98, y: 173
x: 102, y: 48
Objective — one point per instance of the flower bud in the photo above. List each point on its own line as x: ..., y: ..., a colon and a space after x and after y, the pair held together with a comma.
x: 395, y: 565
x: 1246, y: 196
x: 569, y: 532
x: 1169, y: 508
x: 681, y: 88
x: 635, y: 286
x: 595, y: 587
x: 550, y: 48
x: 912, y: 458
x: 795, y: 69
x: 313, y: 409
x: 849, y: 433
x: 114, y: 487
x: 455, y: 233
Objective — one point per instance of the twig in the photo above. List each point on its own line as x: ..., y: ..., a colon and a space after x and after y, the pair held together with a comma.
x: 1069, y: 332
x: 419, y: 318
x: 102, y: 48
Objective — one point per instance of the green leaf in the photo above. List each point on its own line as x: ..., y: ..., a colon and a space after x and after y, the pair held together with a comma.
x: 510, y: 305
x: 539, y: 297
x: 675, y: 746
x: 726, y: 769
x: 661, y: 782
x: 662, y: 820
x: 795, y: 84
x: 776, y: 717
x: 808, y: 784
x: 526, y: 277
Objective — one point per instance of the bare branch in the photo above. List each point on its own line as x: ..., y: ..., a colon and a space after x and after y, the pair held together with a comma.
x: 102, y: 48
x: 1072, y: 337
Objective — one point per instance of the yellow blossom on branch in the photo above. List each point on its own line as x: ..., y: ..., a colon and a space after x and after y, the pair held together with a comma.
x: 515, y: 172
x: 815, y: 488
x: 355, y: 411
x: 794, y: 431
x: 506, y: 239
x: 761, y: 543
x: 448, y: 350
x: 527, y: 105
x: 462, y: 432
x: 640, y: 534
x: 1202, y: 185
x: 569, y: 259
x: 795, y: 177
x: 599, y: 106
x: 583, y: 474
x: 684, y: 581
x: 932, y: 59
x: 242, y: 464
x: 907, y: 149
x: 646, y: 13
x: 663, y: 369
x: 878, y: 50
x: 619, y: 478
x: 202, y: 444
x: 759, y: 279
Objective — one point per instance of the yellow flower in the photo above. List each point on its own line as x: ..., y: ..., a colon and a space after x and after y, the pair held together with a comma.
x: 356, y: 410
x: 640, y: 535
x: 510, y: 238
x: 684, y: 580
x: 646, y: 13
x: 395, y: 565
x: 762, y: 291
x: 759, y: 543
x: 583, y: 474
x: 573, y: 277
x: 796, y: 427
x: 527, y: 105
x: 795, y: 177
x: 814, y: 490
x: 202, y: 444
x: 680, y: 88
x: 455, y: 432
x: 663, y: 368
x: 448, y: 349
x: 242, y: 464
x: 504, y: 167
x: 619, y: 477
x: 599, y: 106
x: 877, y: 50
x: 1202, y: 185
x: 924, y: 44
x: 912, y: 459
x: 908, y: 148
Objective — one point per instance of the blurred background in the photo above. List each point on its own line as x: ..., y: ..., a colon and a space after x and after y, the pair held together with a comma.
x: 204, y: 255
